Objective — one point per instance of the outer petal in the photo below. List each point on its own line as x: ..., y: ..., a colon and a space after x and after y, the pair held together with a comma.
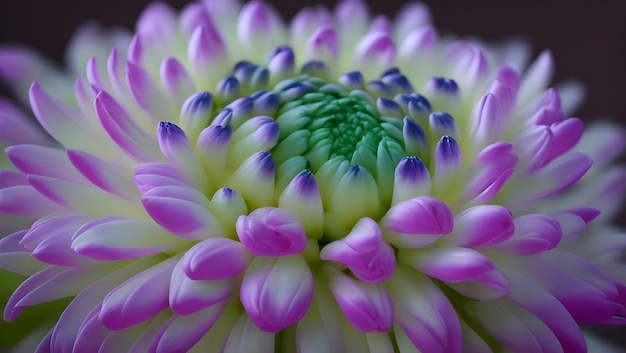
x: 417, y: 222
x: 277, y: 293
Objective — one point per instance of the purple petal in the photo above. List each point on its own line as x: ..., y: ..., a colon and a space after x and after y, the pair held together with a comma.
x: 276, y: 293
x: 150, y: 175
x: 44, y: 161
x: 176, y: 79
x: 178, y: 150
x: 51, y: 283
x: 26, y: 201
x: 376, y: 47
x: 206, y: 47
x: 424, y: 313
x: 364, y: 252
x: 181, y: 333
x: 413, y: 220
x: 449, y: 264
x: 482, y: 225
x: 567, y: 133
x: 215, y: 258
x: 271, y: 232
x: 323, y: 45
x: 187, y: 296
x: 420, y: 41
x: 17, y: 128
x: 561, y: 173
x: 184, y: 218
x: 534, y: 233
x: 121, y: 239
x: 368, y: 307
x: 103, y: 174
x: 123, y: 130
x: 139, y: 298
x: 146, y: 92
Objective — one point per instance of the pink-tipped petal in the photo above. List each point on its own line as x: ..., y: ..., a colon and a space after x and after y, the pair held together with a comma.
x: 187, y: 296
x: 482, y: 225
x: 176, y: 79
x: 181, y: 333
x: 124, y: 130
x: 364, y: 252
x: 186, y: 219
x: 534, y: 233
x: 449, y: 264
x: 139, y: 298
x: 122, y: 239
x: 417, y: 222
x: 367, y: 306
x: 272, y: 232
x: 104, y: 174
x: 424, y: 314
x: 215, y: 258
x: 276, y: 293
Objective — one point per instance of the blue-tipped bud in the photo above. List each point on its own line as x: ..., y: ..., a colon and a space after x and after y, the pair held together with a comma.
x: 256, y: 134
x: 302, y: 197
x: 295, y: 90
x: 411, y: 180
x: 447, y: 156
x: 380, y: 89
x: 398, y: 82
x: 352, y: 80
x: 227, y: 205
x: 442, y: 85
x: 314, y: 68
x: 196, y: 113
x: 178, y: 150
x: 223, y: 117
x: 281, y: 63
x: 442, y: 123
x: 415, y: 140
x: 212, y: 148
x: 414, y: 105
x: 387, y: 107
x: 266, y: 103
x: 242, y: 110
x: 227, y: 89
x: 254, y: 179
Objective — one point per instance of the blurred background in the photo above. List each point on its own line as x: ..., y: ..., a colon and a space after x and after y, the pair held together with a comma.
x: 587, y: 39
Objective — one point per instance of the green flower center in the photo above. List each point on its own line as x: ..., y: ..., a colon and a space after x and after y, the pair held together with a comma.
x: 334, y: 123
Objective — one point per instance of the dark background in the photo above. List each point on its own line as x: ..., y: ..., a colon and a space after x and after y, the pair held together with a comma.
x: 587, y: 39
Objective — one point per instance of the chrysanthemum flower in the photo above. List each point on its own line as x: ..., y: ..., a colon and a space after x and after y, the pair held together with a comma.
x: 224, y: 182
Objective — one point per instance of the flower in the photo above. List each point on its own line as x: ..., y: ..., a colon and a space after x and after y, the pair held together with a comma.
x: 224, y: 182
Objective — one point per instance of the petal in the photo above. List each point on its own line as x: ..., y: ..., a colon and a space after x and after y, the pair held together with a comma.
x: 271, y: 232
x: 364, y: 252
x: 449, y: 264
x: 368, y: 307
x: 424, y: 313
x: 482, y: 225
x: 122, y: 239
x: 215, y: 258
x: 185, y: 218
x: 246, y: 336
x: 410, y: 223
x: 276, y: 293
x: 187, y: 296
x: 181, y: 333
x: 139, y: 298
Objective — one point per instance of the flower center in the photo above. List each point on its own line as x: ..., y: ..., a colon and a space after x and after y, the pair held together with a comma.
x: 336, y: 123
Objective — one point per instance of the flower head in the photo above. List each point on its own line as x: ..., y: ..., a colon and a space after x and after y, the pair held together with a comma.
x: 223, y: 181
